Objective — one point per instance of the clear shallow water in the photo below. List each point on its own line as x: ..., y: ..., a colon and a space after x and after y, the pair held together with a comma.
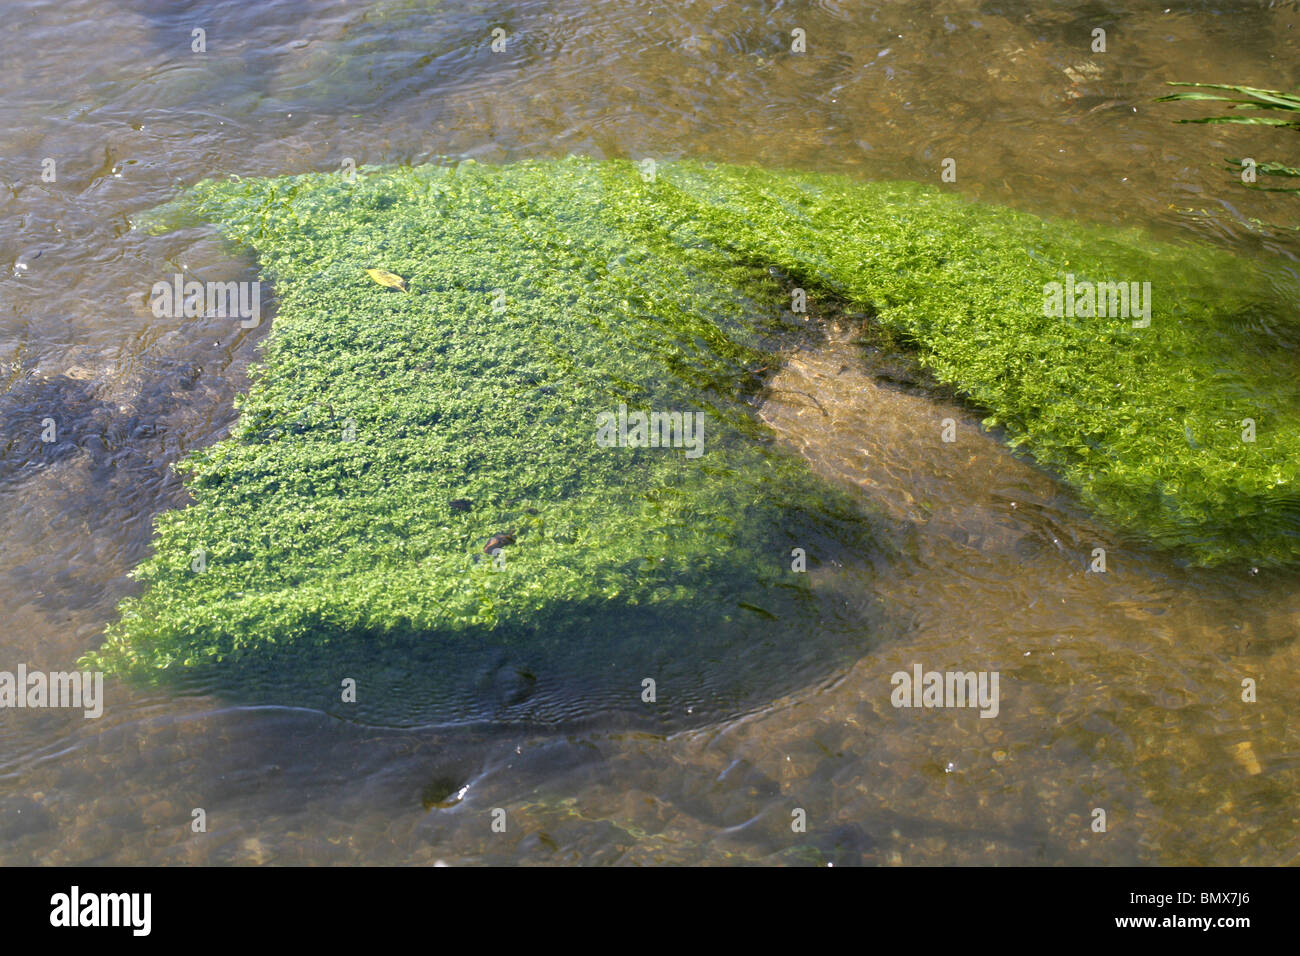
x: 1119, y: 691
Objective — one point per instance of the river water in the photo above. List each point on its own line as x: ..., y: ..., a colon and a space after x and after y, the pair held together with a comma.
x: 1120, y: 691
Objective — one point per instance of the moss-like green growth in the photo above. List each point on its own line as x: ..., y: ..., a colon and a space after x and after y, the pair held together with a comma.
x: 1186, y: 431
x: 390, y: 433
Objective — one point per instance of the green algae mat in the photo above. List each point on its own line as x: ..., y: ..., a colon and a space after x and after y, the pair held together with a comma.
x: 494, y: 397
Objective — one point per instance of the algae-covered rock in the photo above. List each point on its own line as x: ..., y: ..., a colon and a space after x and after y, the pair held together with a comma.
x: 394, y: 435
x: 1182, y: 424
x: 541, y: 299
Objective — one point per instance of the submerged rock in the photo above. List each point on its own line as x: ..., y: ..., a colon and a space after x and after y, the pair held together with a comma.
x: 546, y: 297
x: 329, y: 523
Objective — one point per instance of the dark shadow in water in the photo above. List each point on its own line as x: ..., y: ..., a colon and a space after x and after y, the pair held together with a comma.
x: 107, y: 471
x: 584, y: 664
x: 47, y: 421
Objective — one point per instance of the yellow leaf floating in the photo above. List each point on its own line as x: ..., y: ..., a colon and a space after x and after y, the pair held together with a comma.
x: 386, y: 278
